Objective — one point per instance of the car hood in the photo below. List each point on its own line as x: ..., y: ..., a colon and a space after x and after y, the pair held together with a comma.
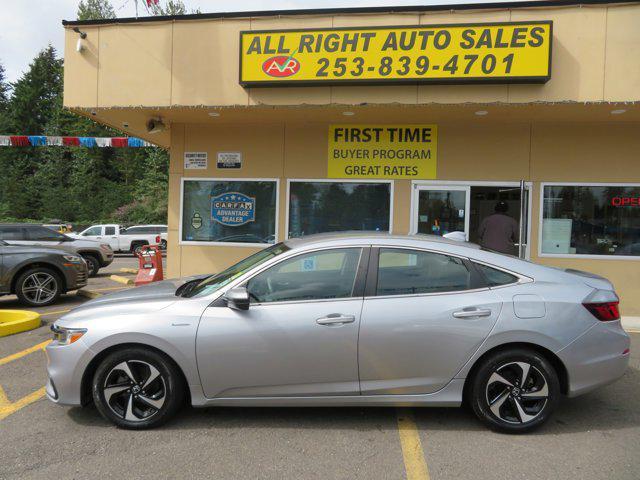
x: 147, y: 298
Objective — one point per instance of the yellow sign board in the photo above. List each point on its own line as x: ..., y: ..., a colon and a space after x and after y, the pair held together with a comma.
x: 512, y: 52
x: 383, y: 151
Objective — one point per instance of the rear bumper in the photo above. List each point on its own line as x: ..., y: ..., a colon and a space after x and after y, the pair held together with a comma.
x: 596, y: 358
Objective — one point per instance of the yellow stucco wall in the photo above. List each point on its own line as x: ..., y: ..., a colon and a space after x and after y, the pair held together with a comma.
x: 195, y: 62
x: 585, y: 152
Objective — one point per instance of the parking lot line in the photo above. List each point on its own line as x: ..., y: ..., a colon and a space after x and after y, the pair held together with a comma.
x: 414, y: 463
x: 7, y: 408
x: 21, y: 354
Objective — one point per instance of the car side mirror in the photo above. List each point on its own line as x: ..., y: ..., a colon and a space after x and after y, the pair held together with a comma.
x: 238, y: 298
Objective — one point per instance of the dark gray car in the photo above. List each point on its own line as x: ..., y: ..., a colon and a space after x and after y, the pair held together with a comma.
x: 39, y: 275
x: 96, y: 254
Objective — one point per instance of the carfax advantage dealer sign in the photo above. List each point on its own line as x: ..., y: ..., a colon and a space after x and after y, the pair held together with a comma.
x: 513, y: 52
x: 382, y: 151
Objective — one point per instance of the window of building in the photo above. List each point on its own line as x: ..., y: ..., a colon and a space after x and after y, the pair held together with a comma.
x: 590, y: 220
x: 313, y: 276
x: 494, y: 277
x: 405, y: 272
x: 230, y: 211
x: 317, y: 207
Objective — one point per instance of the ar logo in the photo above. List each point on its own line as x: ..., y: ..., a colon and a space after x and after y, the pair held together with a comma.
x: 281, y: 66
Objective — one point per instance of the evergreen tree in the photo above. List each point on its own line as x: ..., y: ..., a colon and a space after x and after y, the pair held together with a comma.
x: 95, y: 10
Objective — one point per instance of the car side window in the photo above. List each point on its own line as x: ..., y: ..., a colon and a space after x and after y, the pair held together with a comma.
x: 109, y: 230
x: 318, y: 275
x: 134, y: 231
x: 10, y: 232
x: 495, y: 277
x: 93, y: 231
x: 404, y: 272
x: 42, y: 234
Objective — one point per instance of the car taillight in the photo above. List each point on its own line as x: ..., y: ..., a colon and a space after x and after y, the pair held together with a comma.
x: 604, y: 311
x: 157, y: 239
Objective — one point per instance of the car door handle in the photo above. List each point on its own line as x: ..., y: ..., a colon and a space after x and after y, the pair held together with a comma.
x: 336, y: 319
x: 476, y: 312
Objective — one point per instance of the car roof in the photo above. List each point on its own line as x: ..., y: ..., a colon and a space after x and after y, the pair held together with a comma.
x: 372, y: 237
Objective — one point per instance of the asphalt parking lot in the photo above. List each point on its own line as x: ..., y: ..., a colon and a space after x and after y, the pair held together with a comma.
x: 591, y: 437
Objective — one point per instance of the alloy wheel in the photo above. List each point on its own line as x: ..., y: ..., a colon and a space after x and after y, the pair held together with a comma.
x: 134, y: 390
x: 40, y: 287
x: 517, y: 392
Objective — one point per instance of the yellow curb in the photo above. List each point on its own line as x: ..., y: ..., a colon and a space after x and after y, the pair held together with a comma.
x: 632, y: 330
x: 120, y: 279
x: 88, y: 294
x: 16, y: 321
x: 129, y: 270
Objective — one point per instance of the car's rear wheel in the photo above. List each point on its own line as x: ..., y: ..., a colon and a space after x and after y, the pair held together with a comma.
x: 92, y: 264
x: 136, y: 388
x: 38, y: 287
x: 515, y: 390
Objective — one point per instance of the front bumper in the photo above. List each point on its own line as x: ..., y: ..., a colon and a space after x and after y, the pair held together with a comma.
x: 106, y: 258
x: 76, y: 276
x: 65, y: 367
x: 596, y: 358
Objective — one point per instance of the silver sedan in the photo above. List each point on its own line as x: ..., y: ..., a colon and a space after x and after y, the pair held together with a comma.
x: 350, y: 319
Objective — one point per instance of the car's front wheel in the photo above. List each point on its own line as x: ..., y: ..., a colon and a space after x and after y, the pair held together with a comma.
x: 515, y: 390
x: 136, y: 388
x: 38, y: 287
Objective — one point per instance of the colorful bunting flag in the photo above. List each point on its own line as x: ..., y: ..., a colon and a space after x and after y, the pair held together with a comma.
x: 87, y: 142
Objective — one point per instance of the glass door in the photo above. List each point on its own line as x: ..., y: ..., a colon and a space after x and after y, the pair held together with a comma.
x: 441, y: 209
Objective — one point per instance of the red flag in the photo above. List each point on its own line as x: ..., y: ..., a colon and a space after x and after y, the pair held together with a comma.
x: 151, y: 2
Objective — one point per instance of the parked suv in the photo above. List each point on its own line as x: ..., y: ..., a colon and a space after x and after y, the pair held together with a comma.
x: 96, y: 254
x: 39, y: 275
x: 130, y: 239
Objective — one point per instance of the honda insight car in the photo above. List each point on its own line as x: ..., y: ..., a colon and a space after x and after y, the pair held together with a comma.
x: 357, y: 319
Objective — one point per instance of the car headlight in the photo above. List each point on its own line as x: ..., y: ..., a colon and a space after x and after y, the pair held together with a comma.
x: 67, y: 336
x: 73, y: 258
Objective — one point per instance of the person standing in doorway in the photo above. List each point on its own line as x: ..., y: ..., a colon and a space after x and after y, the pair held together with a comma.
x: 499, y: 231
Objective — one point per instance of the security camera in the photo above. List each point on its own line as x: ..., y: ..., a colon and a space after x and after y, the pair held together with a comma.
x: 155, y: 125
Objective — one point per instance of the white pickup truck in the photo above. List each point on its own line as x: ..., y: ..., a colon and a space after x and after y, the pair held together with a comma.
x: 130, y: 239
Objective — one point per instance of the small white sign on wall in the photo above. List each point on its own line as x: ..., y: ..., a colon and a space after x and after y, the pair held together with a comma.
x: 195, y: 160
x: 229, y: 160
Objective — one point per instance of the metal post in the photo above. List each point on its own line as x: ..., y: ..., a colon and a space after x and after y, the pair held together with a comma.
x: 523, y: 224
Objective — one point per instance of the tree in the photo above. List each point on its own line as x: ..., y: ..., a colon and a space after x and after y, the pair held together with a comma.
x: 95, y: 10
x: 4, y: 88
x: 172, y: 7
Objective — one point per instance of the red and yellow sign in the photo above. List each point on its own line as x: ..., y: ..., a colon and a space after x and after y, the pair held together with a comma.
x: 513, y: 52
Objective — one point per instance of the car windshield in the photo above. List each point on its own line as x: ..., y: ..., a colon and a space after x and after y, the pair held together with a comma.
x: 219, y: 280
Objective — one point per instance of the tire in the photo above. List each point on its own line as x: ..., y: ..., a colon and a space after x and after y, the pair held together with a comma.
x: 38, y: 287
x: 92, y: 264
x: 504, y: 402
x: 151, y: 404
x: 137, y: 247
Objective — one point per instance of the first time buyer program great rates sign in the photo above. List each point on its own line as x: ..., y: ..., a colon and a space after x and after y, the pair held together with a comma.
x: 382, y: 151
x: 512, y: 52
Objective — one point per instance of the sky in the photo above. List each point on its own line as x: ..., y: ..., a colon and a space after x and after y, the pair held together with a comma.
x: 27, y: 26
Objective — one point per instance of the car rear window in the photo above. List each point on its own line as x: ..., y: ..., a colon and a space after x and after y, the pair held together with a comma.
x: 495, y: 277
x: 405, y: 272
x: 9, y: 232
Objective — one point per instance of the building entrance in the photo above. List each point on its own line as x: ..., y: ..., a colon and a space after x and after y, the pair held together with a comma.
x: 439, y: 209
